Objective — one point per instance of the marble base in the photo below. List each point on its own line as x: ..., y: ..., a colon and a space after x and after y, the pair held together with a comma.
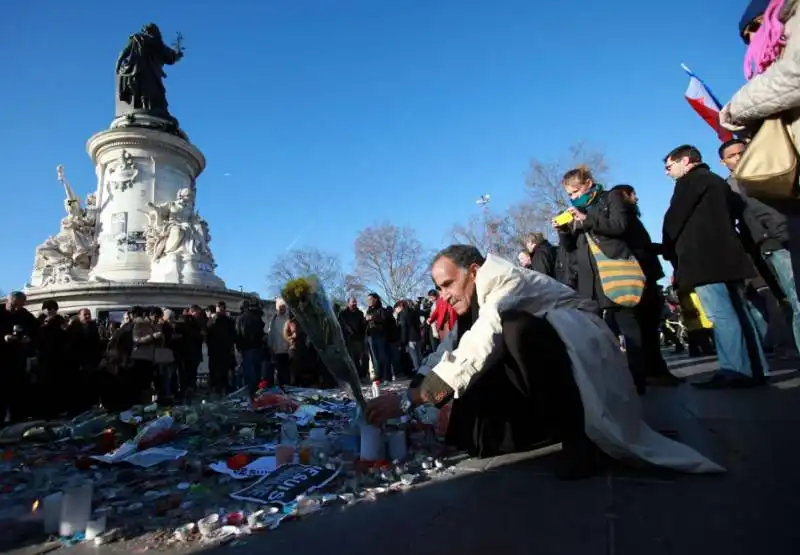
x: 185, y: 269
x: 100, y: 298
x: 57, y: 275
x: 139, y: 119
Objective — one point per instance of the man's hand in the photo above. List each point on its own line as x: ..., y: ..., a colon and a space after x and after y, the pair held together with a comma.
x: 383, y: 408
x: 10, y: 338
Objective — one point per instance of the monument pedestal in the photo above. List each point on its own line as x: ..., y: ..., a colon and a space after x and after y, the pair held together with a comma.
x: 136, y: 166
x: 185, y: 269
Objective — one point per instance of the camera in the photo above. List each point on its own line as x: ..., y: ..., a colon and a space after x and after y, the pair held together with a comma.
x: 565, y: 218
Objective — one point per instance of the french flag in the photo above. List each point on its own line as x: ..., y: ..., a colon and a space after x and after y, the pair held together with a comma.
x: 705, y: 104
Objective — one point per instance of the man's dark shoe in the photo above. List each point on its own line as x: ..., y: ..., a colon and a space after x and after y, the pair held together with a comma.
x: 728, y: 379
x: 664, y: 380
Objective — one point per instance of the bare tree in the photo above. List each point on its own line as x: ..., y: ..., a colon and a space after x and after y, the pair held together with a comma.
x: 307, y: 261
x: 504, y: 233
x: 490, y: 232
x: 543, y: 182
x: 391, y: 260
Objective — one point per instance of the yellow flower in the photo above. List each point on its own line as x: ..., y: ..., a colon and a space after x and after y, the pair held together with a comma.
x: 297, y: 290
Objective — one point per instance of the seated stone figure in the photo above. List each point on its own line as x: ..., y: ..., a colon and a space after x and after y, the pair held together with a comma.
x: 529, y: 360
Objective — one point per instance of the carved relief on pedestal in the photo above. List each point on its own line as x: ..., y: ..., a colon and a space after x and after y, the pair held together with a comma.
x: 122, y: 173
x: 68, y: 255
x: 176, y: 228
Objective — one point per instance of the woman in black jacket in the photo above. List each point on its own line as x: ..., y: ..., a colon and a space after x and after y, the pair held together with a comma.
x: 651, y: 307
x: 606, y: 218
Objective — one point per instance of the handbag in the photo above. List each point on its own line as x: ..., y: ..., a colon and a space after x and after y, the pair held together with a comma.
x: 768, y: 168
x: 622, y: 280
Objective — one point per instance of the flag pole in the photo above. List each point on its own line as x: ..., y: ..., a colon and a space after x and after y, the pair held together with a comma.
x: 685, y: 68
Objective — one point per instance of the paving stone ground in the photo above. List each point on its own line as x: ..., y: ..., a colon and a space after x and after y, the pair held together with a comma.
x: 513, y: 504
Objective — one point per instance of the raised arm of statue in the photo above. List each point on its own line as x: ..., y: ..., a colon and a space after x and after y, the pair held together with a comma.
x: 170, y: 56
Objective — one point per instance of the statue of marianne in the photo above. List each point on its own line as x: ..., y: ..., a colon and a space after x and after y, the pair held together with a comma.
x: 140, y: 72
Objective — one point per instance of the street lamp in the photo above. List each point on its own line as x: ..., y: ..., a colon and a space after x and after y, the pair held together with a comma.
x: 483, y: 202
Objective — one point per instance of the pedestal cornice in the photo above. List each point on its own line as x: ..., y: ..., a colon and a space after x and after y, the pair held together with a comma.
x: 114, y: 139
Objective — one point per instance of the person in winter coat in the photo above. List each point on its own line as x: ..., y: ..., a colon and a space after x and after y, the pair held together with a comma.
x: 377, y: 338
x: 220, y: 340
x: 410, y: 339
x: 542, y: 253
x: 530, y: 355
x: 650, y: 309
x: 354, y: 328
x: 604, y: 217
x: 767, y: 230
x: 56, y: 379
x: 250, y: 343
x: 771, y: 30
x: 701, y: 242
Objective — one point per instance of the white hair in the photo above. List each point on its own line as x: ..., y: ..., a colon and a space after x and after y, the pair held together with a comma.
x: 169, y: 315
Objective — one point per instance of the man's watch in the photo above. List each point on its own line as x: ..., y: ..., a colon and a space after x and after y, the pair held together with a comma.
x: 405, y: 403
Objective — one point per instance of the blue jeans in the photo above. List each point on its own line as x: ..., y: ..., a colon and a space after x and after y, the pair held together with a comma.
x: 781, y: 263
x: 414, y: 349
x: 756, y: 308
x: 251, y: 369
x: 735, y: 331
x: 379, y: 354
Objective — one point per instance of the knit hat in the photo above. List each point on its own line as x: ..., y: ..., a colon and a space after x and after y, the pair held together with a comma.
x: 754, y: 9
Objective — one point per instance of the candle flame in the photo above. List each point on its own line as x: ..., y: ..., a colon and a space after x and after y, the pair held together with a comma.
x: 35, y: 506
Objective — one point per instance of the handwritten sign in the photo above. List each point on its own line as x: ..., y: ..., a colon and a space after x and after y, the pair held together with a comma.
x: 286, y: 483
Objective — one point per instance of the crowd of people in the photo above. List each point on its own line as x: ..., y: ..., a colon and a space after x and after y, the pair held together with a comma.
x: 556, y: 347
x: 529, y: 357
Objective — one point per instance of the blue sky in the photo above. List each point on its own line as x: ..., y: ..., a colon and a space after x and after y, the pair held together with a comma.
x: 320, y: 117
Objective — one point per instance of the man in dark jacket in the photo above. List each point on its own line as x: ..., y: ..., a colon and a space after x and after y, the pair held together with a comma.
x: 18, y: 331
x: 767, y: 230
x: 85, y: 350
x: 410, y: 338
x: 220, y: 341
x: 701, y: 242
x: 354, y: 328
x: 250, y: 342
x: 378, y: 338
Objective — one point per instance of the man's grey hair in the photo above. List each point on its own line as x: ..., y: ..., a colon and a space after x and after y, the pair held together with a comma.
x: 462, y: 256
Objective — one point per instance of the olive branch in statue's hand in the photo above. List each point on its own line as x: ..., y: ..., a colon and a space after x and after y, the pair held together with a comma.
x: 178, y: 44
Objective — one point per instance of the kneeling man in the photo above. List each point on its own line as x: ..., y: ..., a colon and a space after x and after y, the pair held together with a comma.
x: 529, y: 359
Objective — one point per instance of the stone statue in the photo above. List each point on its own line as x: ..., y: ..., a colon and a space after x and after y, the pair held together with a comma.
x: 74, y: 246
x: 175, y: 228
x: 140, y: 72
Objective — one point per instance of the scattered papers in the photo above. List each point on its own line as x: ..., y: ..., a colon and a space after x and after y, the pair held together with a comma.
x: 259, y: 467
x: 286, y: 484
x: 155, y: 455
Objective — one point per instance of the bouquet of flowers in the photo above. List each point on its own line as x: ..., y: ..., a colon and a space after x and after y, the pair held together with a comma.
x: 311, y: 307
